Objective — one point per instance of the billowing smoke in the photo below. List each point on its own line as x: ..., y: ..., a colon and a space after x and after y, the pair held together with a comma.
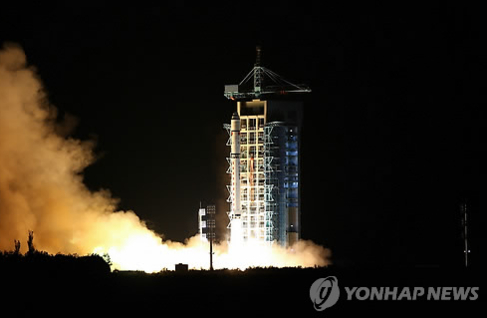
x: 41, y: 185
x: 42, y: 189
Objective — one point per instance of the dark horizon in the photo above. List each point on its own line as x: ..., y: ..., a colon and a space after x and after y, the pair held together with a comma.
x: 390, y: 139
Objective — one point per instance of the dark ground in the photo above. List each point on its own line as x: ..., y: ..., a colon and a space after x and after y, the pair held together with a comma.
x: 224, y: 292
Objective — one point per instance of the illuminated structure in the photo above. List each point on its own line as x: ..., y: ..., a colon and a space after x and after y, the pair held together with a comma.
x: 266, y: 202
x: 206, y: 223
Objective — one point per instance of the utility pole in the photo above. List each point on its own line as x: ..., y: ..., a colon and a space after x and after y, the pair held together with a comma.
x: 211, y: 253
x: 466, y: 246
x: 210, y: 224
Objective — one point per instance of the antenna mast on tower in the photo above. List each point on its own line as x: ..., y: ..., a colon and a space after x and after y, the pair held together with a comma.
x: 266, y: 82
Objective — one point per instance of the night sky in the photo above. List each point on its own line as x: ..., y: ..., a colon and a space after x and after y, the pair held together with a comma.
x: 390, y: 139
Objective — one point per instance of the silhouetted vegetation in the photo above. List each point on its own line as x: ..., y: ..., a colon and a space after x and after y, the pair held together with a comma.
x: 40, y: 262
x: 30, y: 243
x: 16, y: 247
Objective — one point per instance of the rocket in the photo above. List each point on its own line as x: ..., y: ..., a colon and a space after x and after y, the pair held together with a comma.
x: 235, y: 162
x: 236, y: 231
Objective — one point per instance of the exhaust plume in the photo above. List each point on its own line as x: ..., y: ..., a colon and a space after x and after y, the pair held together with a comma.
x: 42, y: 189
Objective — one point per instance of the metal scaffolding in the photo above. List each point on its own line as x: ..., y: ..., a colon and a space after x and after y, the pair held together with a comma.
x: 265, y: 82
x: 252, y: 177
x: 268, y: 158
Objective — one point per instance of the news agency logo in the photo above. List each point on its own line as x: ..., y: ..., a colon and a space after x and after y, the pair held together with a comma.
x: 324, y: 292
x: 412, y: 293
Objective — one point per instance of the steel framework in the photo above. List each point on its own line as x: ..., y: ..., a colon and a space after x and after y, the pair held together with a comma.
x: 266, y: 82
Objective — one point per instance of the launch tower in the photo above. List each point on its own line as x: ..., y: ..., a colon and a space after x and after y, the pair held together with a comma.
x: 265, y: 206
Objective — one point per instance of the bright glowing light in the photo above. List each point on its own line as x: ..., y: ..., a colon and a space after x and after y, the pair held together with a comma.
x: 148, y: 253
x: 236, y: 233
